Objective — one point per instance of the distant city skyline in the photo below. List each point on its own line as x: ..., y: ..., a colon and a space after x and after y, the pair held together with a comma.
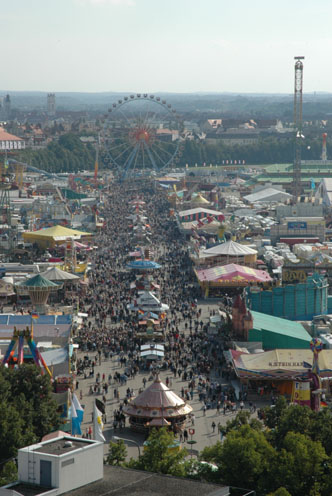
x: 177, y: 46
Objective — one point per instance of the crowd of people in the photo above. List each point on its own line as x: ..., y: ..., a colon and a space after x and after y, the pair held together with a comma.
x: 113, y: 332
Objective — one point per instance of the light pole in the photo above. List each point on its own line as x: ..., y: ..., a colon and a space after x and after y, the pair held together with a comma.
x: 116, y: 438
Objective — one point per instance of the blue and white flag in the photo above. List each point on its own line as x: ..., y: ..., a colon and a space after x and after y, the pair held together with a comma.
x: 79, y: 409
x: 76, y: 416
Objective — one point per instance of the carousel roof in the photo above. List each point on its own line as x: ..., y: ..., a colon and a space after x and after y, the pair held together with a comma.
x: 38, y: 281
x: 55, y: 274
x: 157, y: 401
x: 230, y: 248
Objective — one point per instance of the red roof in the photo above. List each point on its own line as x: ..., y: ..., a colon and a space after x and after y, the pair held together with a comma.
x: 4, y: 136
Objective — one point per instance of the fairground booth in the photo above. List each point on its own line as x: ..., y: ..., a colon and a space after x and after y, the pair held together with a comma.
x: 226, y: 253
x: 229, y: 278
x: 54, y: 236
x: 277, y: 370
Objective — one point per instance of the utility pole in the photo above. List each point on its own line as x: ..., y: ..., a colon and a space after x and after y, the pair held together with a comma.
x: 298, y: 94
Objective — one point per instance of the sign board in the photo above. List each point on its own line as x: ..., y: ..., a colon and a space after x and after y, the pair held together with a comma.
x: 297, y: 225
x: 289, y: 275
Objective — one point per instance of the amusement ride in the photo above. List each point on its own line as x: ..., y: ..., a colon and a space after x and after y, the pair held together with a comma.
x: 142, y: 135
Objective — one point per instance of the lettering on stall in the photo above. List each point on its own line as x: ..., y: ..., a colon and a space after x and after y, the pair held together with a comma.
x: 294, y: 275
x: 285, y: 364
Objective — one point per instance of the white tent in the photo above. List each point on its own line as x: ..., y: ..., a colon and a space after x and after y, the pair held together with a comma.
x: 230, y: 249
x: 54, y: 274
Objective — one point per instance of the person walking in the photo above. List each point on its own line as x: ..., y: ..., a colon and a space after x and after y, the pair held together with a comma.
x: 213, y: 425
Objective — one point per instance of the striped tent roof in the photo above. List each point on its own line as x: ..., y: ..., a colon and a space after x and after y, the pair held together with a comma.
x: 232, y: 273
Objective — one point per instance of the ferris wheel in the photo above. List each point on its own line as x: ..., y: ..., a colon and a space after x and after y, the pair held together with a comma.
x: 142, y: 133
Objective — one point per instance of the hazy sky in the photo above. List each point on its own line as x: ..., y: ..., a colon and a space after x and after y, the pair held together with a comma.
x: 164, y: 45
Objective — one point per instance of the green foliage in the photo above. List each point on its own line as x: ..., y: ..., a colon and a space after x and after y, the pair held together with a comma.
x: 212, y: 454
x: 117, y: 453
x: 157, y: 456
x: 8, y: 474
x: 272, y: 415
x: 299, y: 464
x: 292, y: 456
x: 283, y: 419
x: 242, y: 418
x: 280, y: 492
x: 246, y: 459
x: 27, y: 410
x: 197, y: 470
x: 269, y: 150
x: 68, y: 154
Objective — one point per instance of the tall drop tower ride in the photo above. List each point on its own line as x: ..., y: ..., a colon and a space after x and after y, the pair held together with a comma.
x: 298, y: 94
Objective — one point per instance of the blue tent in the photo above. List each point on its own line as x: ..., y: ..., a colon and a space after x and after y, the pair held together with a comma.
x: 143, y: 265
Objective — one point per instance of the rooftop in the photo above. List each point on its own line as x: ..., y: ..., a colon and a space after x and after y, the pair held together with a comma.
x: 119, y: 481
x: 279, y: 325
x: 59, y: 446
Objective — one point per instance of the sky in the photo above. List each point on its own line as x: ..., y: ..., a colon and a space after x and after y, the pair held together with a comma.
x: 185, y: 46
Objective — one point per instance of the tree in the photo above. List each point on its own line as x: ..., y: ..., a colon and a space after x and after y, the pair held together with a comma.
x: 321, y: 429
x: 246, y: 459
x: 158, y: 457
x: 117, y: 453
x: 272, y: 415
x: 27, y: 409
x: 299, y: 465
x: 31, y: 395
x: 8, y: 474
x: 280, y: 492
x: 242, y: 418
x: 212, y: 453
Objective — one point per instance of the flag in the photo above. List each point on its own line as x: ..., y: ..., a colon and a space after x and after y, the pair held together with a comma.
x: 79, y: 409
x: 34, y: 315
x: 323, y: 404
x: 100, y: 405
x: 98, y: 424
x: 141, y: 311
x: 307, y: 365
x: 75, y: 424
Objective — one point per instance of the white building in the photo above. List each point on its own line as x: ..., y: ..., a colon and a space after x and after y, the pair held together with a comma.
x: 10, y: 142
x: 58, y: 465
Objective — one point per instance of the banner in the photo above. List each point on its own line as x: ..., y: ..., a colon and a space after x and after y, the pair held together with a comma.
x: 301, y: 393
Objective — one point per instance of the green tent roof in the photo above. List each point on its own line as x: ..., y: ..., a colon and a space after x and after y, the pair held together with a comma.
x: 37, y: 281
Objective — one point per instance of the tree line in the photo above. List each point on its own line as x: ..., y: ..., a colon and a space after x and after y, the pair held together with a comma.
x: 264, y: 151
x: 68, y: 154
x: 287, y: 453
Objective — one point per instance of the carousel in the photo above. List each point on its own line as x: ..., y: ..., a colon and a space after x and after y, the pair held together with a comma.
x: 39, y: 289
x: 157, y: 406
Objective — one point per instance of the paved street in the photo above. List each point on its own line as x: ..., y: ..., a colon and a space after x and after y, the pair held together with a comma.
x: 202, y: 424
